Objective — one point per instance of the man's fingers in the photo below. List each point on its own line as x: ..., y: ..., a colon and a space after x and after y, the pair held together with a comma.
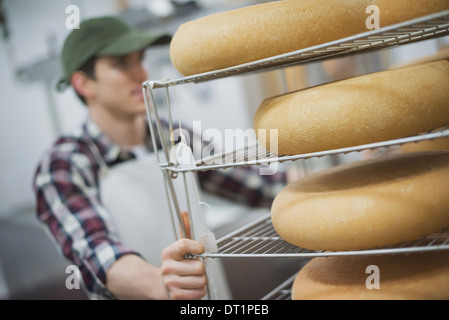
x: 178, y: 249
x: 187, y: 294
x: 183, y: 278
x: 185, y: 282
x: 183, y: 268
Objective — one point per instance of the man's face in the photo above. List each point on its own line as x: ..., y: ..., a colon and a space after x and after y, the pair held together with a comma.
x: 118, y: 83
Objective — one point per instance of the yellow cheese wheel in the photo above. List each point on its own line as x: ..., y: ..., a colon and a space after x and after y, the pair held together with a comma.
x: 260, y: 31
x: 416, y: 276
x: 366, y: 204
x: 371, y: 108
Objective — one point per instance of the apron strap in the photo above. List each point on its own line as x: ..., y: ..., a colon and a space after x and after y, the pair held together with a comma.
x: 103, y: 170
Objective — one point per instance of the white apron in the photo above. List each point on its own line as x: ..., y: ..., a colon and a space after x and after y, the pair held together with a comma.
x: 134, y: 193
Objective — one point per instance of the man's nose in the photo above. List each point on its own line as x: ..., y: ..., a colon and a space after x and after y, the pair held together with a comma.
x: 139, y: 73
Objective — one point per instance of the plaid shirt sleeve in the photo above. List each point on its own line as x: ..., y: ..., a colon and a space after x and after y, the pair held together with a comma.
x: 66, y: 187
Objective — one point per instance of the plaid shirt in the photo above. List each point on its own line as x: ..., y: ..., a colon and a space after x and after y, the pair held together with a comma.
x: 66, y: 185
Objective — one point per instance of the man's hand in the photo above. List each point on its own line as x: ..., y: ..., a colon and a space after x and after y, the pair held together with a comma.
x: 132, y: 277
x: 184, y: 279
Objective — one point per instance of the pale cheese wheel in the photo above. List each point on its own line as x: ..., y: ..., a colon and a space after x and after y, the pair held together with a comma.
x: 260, y: 31
x: 381, y: 106
x: 366, y: 204
x: 416, y: 276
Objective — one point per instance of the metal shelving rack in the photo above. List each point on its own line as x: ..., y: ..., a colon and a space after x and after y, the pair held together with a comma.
x: 259, y: 239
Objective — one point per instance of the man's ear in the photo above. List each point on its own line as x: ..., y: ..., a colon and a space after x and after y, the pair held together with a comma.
x: 83, y: 84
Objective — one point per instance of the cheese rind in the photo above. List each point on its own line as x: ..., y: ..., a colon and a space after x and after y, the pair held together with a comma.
x: 376, y: 107
x: 366, y: 204
x: 416, y: 276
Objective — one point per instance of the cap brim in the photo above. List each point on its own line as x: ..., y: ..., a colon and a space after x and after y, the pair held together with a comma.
x: 134, y: 42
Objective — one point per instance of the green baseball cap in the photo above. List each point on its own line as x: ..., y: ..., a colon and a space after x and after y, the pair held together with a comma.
x: 103, y: 36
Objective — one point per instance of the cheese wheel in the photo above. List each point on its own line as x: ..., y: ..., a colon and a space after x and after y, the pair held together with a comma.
x: 371, y: 108
x: 260, y: 31
x: 366, y: 204
x: 416, y: 276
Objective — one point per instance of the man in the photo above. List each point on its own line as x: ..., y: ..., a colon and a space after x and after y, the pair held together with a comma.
x: 103, y: 62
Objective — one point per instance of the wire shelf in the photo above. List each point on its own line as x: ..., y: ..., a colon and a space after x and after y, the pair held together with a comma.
x: 281, y: 292
x: 259, y: 239
x: 428, y: 27
x: 437, y: 241
x: 256, y: 155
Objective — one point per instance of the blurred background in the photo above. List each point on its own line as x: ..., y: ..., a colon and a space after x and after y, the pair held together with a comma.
x: 33, y: 114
